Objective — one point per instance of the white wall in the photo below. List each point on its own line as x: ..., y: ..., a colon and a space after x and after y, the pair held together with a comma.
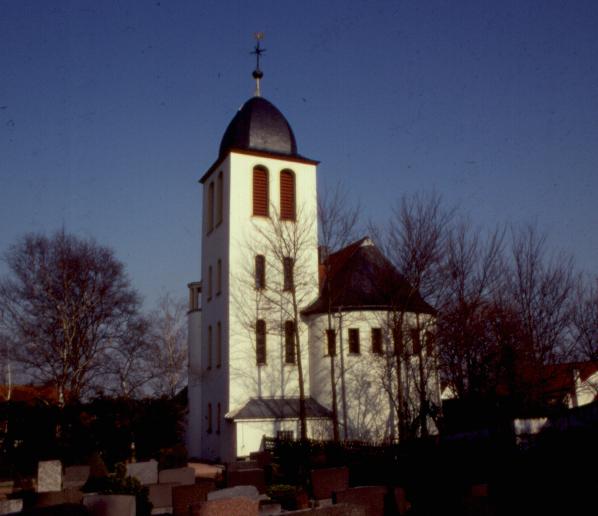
x: 368, y: 379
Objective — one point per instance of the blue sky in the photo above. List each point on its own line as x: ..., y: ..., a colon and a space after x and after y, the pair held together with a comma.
x: 110, y: 111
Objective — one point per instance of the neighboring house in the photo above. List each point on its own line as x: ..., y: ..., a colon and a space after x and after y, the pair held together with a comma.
x: 246, y: 312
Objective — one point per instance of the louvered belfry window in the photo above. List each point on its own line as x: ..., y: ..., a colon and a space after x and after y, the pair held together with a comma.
x: 287, y: 195
x: 260, y: 191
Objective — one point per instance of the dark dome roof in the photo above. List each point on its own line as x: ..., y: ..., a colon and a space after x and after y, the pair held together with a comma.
x: 259, y: 126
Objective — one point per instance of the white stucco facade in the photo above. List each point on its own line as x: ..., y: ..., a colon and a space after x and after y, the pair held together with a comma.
x: 227, y: 374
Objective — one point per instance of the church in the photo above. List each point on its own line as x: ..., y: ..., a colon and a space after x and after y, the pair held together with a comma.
x: 279, y: 329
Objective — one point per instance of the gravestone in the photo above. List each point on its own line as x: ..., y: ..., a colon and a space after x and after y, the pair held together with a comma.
x: 49, y: 476
x: 370, y: 497
x: 75, y: 476
x: 160, y: 495
x: 110, y: 505
x: 71, y: 495
x: 242, y: 464
x: 227, y: 507
x: 254, y: 477
x: 184, y: 497
x: 9, y: 506
x: 328, y: 480
x: 246, y: 491
x: 145, y: 472
x: 182, y: 476
x: 209, y: 471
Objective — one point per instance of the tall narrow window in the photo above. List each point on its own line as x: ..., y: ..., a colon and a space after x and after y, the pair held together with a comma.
x: 397, y: 338
x: 219, y: 414
x: 331, y: 342
x: 218, y: 344
x: 210, y: 208
x: 287, y: 195
x: 377, y: 341
x: 260, y: 272
x: 209, y: 418
x: 219, y: 198
x: 289, y: 342
x: 416, y: 346
x: 209, y: 282
x: 260, y: 342
x: 219, y: 277
x: 354, y: 340
x: 429, y: 338
x: 209, y: 347
x: 287, y: 265
x: 260, y: 191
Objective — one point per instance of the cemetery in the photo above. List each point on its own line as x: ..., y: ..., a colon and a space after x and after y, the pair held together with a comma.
x: 486, y: 474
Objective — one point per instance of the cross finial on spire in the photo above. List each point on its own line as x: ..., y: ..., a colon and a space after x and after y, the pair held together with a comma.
x: 258, y: 51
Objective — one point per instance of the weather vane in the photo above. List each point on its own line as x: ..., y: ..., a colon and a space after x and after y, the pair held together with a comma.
x: 258, y: 51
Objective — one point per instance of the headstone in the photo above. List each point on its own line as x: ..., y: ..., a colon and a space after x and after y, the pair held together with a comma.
x: 49, y: 476
x: 160, y: 495
x: 184, y: 497
x: 341, y: 509
x: 270, y: 509
x: 52, y: 498
x: 328, y: 480
x: 246, y: 491
x: 210, y: 471
x: 75, y: 476
x: 254, y: 477
x: 145, y: 472
x: 182, y: 476
x: 8, y: 506
x: 227, y: 507
x: 370, y: 497
x: 242, y: 464
x: 110, y: 505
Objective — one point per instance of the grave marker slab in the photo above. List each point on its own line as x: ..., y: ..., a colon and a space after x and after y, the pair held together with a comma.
x: 227, y: 507
x: 110, y: 505
x: 145, y: 472
x: 75, y: 476
x: 246, y: 491
x: 182, y: 476
x: 49, y: 476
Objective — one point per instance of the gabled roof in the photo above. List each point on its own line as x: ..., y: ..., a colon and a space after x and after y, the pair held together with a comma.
x: 360, y: 277
x: 278, y: 408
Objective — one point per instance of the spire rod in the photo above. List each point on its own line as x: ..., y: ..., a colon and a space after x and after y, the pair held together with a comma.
x: 258, y: 51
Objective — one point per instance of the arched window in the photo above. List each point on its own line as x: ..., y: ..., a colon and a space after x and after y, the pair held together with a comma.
x: 260, y: 342
x: 218, y: 344
x: 287, y: 195
x: 219, y: 198
x: 209, y: 418
x: 210, y: 208
x: 209, y: 282
x: 260, y: 191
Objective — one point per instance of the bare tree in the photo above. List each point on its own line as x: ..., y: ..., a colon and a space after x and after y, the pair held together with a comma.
x: 65, y: 302
x: 585, y: 321
x: 338, y: 226
x: 128, y: 366
x: 473, y: 271
x: 414, y: 240
x: 168, y: 336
